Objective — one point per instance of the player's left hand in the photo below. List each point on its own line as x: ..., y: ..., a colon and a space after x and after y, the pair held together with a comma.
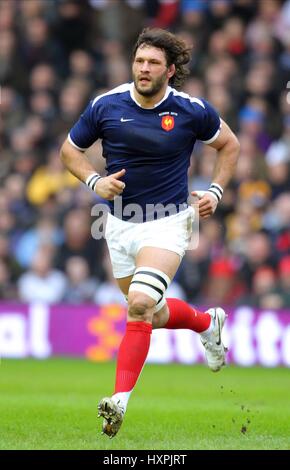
x: 207, y: 203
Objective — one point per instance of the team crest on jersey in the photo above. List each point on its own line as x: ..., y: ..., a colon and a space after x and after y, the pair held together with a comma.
x: 167, y: 123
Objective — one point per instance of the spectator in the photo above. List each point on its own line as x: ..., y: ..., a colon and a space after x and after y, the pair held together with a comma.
x: 7, y: 287
x: 80, y: 287
x: 265, y: 292
x: 222, y: 284
x: 284, y: 278
x: 257, y: 253
x: 46, y: 232
x: 42, y: 283
x: 79, y: 242
x: 49, y: 179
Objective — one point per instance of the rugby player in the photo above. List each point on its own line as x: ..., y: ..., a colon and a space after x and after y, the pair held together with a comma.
x: 148, y: 130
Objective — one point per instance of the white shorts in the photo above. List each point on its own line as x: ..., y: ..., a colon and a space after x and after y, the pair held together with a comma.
x: 125, y: 239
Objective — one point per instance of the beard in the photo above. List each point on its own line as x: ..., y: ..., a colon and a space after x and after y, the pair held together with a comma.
x: 152, y: 87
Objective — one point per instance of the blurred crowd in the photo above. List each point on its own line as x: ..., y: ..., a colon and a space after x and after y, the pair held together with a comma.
x: 55, y: 55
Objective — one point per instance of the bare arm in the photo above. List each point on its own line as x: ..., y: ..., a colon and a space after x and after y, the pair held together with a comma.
x: 76, y: 161
x: 228, y: 147
x: 79, y: 165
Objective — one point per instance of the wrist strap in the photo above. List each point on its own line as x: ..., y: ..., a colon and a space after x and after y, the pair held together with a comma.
x: 217, y: 190
x: 91, y: 180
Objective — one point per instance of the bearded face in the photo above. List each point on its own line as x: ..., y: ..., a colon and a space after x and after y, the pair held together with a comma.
x: 150, y: 70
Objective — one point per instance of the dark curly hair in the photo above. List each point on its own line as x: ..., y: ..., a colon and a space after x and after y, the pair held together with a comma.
x: 176, y: 51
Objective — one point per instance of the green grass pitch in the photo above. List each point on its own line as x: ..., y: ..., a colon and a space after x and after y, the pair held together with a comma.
x: 52, y: 404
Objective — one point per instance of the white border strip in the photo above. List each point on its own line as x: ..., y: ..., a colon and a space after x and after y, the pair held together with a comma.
x: 75, y: 145
x: 213, y: 138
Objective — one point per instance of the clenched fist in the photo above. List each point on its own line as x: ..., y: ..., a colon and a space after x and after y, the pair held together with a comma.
x: 109, y: 187
x: 207, y: 203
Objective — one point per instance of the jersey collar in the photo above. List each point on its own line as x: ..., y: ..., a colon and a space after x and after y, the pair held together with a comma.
x: 168, y: 90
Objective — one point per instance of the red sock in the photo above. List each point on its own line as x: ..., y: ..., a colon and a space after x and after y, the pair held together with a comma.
x: 132, y: 355
x: 181, y: 315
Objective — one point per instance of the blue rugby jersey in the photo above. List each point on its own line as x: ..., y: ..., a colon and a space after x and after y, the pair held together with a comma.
x: 153, y: 145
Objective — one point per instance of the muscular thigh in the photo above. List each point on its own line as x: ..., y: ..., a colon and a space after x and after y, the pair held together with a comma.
x: 165, y: 260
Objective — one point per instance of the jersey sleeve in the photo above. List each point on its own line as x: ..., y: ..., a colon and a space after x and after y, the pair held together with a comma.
x: 86, y: 130
x: 209, y: 123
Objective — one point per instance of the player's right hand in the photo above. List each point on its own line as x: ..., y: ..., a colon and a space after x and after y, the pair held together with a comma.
x: 109, y: 187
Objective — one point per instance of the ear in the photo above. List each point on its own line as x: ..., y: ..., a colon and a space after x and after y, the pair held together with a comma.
x: 171, y: 71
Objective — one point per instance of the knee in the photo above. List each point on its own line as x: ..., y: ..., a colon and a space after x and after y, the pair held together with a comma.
x: 160, y: 315
x: 140, y: 306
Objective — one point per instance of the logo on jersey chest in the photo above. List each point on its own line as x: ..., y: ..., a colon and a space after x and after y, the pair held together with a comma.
x: 167, y: 122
